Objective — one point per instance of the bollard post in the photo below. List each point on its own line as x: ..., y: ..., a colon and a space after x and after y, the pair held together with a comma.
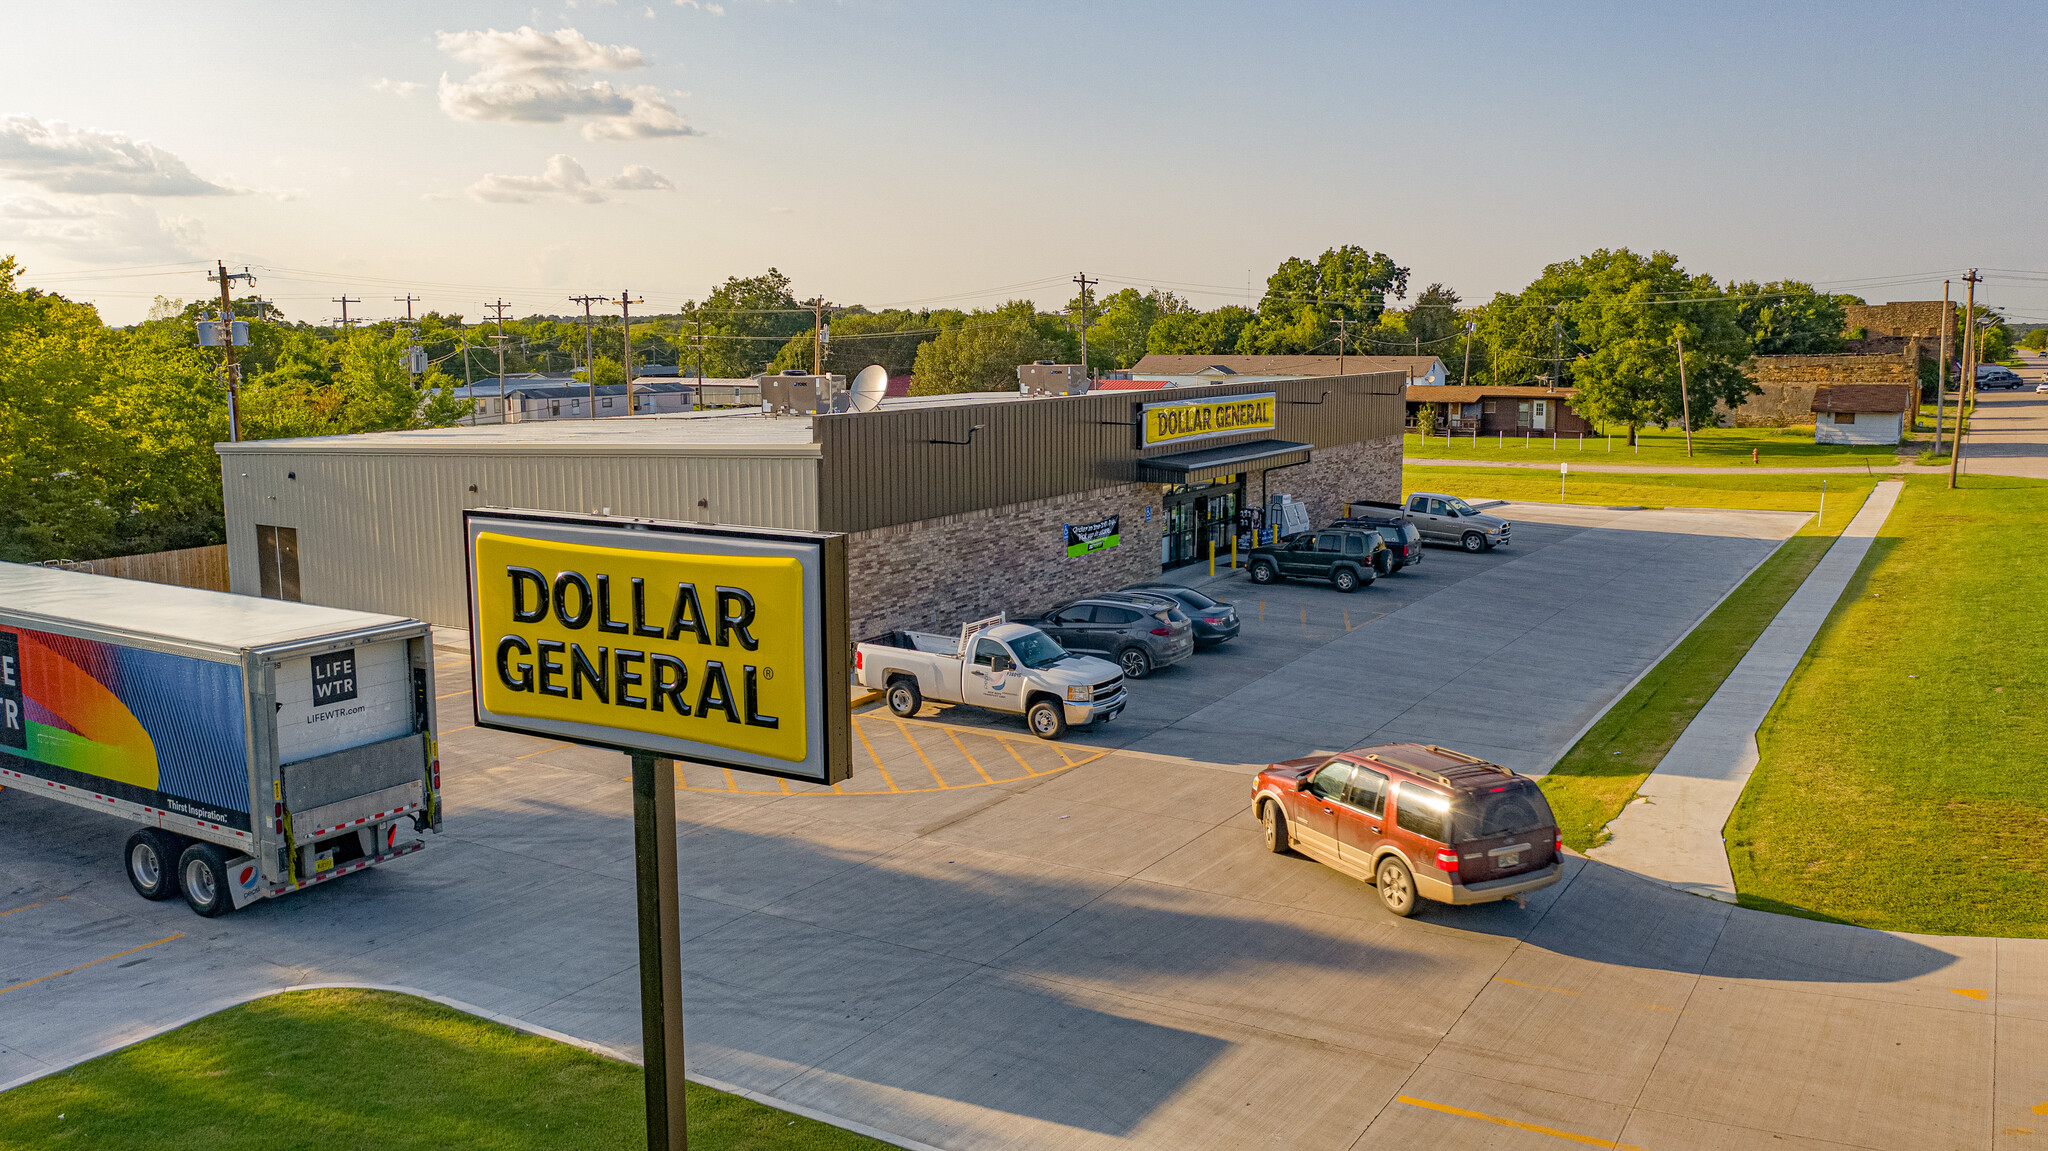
x: 1212, y: 555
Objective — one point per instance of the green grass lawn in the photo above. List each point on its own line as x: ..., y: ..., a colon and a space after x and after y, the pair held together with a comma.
x: 1624, y: 489
x: 1717, y: 447
x: 1599, y: 775
x: 372, y: 1070
x: 1901, y: 785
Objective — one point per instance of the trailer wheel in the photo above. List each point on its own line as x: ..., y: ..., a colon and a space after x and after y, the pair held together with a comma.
x: 152, y: 862
x: 904, y: 698
x: 203, y: 872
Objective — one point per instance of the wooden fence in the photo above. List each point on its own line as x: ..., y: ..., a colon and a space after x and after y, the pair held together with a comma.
x: 205, y: 567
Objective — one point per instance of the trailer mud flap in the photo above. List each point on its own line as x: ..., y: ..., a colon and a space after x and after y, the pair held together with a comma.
x: 245, y: 881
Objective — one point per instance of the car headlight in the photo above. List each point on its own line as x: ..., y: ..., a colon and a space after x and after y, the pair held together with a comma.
x: 1080, y: 694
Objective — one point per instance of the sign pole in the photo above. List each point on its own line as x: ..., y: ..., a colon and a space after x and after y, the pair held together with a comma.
x: 661, y: 950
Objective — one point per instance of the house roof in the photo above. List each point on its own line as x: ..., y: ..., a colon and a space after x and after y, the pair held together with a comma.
x: 1461, y: 394
x: 1224, y: 367
x: 1864, y: 397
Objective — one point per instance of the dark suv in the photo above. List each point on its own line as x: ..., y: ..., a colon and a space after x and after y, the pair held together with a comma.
x: 1348, y: 557
x: 1404, y: 542
x: 1414, y: 820
x: 1140, y: 632
x: 1214, y: 620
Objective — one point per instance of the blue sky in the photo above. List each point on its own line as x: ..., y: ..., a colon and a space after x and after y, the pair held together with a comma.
x: 915, y: 152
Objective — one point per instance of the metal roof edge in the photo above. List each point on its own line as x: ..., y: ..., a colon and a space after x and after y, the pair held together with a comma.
x: 300, y: 447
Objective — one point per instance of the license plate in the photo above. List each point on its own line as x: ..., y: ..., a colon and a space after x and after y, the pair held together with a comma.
x: 1509, y: 860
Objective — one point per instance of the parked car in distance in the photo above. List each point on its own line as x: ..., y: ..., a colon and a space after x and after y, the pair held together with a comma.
x: 1416, y: 821
x: 1990, y: 376
x: 1449, y: 520
x: 1141, y: 633
x: 1214, y: 621
x: 2041, y: 387
x: 1347, y: 557
x: 1404, y: 541
x: 1005, y: 667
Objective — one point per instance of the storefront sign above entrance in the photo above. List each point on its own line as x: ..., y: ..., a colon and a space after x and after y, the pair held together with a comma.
x: 1175, y: 422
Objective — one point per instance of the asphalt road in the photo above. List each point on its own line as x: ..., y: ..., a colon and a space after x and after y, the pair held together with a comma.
x: 1089, y: 948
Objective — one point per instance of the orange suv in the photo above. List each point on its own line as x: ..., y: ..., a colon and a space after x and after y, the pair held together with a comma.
x: 1415, y: 820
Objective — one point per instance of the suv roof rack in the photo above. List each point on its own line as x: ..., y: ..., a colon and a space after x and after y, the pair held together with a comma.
x: 1415, y: 769
x: 1471, y: 759
x: 1431, y: 773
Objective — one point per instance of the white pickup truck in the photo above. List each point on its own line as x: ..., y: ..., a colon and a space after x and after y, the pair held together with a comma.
x: 1009, y: 667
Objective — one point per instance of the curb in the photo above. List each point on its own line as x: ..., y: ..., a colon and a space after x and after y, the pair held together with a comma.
x: 516, y: 1024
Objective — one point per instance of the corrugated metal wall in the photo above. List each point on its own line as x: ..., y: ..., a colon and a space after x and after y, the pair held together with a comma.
x: 881, y: 468
x: 383, y: 531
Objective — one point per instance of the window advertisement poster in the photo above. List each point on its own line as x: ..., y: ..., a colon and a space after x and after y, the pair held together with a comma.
x: 1099, y: 536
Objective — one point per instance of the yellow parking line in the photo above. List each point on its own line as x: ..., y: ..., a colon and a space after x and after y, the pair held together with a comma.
x: 1007, y: 746
x: 731, y: 784
x: 857, y: 730
x: 976, y: 764
x: 83, y: 966
x: 453, y: 694
x: 544, y: 751
x: 1554, y: 1133
x: 31, y: 906
x: 936, y: 777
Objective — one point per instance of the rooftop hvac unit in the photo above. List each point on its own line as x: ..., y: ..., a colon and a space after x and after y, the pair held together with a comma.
x: 804, y: 395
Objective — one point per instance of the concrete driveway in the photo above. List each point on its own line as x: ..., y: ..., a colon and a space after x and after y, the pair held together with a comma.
x: 1094, y: 952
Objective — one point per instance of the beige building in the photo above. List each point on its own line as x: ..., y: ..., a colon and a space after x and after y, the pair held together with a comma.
x: 955, y: 507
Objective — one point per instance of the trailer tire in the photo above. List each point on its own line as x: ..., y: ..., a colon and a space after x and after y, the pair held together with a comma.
x: 203, y: 873
x: 151, y: 861
x: 904, y: 698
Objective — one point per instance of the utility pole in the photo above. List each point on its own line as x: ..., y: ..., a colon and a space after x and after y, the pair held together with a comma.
x: 499, y: 310
x: 625, y: 303
x: 1342, y: 323
x: 818, y: 335
x: 1470, y: 327
x: 1967, y: 386
x: 345, y: 302
x: 1086, y: 284
x: 1684, y: 400
x: 589, y: 348
x: 226, y: 280
x: 408, y: 300
x: 1948, y: 319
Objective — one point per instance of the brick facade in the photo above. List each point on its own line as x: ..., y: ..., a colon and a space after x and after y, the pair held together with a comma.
x: 1788, y: 383
x: 934, y: 574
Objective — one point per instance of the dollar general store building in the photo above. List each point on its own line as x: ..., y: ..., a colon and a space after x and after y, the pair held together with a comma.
x: 956, y: 507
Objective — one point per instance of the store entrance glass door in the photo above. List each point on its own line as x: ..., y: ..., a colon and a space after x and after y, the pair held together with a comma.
x: 1197, y: 516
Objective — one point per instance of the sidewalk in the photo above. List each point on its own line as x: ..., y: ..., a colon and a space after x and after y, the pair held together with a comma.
x: 1672, y: 832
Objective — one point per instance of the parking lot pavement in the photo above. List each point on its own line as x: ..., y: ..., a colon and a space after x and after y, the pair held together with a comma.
x: 1101, y: 955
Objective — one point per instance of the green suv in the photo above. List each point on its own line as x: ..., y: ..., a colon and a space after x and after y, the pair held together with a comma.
x: 1347, y: 557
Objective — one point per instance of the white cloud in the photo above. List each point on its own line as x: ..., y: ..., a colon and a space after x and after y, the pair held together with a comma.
x: 714, y: 9
x: 116, y: 230
x: 57, y: 157
x: 565, y: 179
x: 403, y: 89
x: 532, y: 77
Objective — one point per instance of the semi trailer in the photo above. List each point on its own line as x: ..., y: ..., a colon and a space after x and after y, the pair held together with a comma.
x: 263, y: 746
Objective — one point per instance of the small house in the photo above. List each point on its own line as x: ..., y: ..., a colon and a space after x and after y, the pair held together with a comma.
x: 1862, y: 413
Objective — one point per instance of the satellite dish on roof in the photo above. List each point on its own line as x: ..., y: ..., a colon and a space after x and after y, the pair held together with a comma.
x: 869, y: 387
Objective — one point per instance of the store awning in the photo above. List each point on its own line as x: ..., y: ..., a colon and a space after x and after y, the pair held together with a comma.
x: 1210, y: 463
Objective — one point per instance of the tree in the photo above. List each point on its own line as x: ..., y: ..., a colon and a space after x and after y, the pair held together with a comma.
x: 1214, y: 333
x: 1122, y: 324
x: 1303, y: 297
x: 859, y: 338
x: 1624, y: 314
x: 1790, y: 318
x: 982, y: 352
x: 2036, y: 339
x: 745, y: 321
x: 607, y: 370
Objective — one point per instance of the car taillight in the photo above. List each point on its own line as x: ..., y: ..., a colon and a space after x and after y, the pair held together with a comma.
x: 1446, y: 859
x: 1162, y: 631
x: 1559, y: 847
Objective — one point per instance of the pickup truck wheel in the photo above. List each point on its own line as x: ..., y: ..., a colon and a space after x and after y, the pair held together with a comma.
x: 1276, y: 827
x: 152, y: 857
x: 1134, y: 661
x: 1397, y: 887
x: 1048, y: 720
x: 904, y: 698
x: 203, y: 872
x: 1263, y: 572
x: 1474, y: 542
x: 1345, y: 579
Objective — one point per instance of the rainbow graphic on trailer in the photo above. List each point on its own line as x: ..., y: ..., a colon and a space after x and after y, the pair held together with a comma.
x: 147, y: 726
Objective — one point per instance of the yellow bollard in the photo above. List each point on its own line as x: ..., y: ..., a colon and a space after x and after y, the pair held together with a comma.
x: 1212, y: 556
x: 1233, y: 551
